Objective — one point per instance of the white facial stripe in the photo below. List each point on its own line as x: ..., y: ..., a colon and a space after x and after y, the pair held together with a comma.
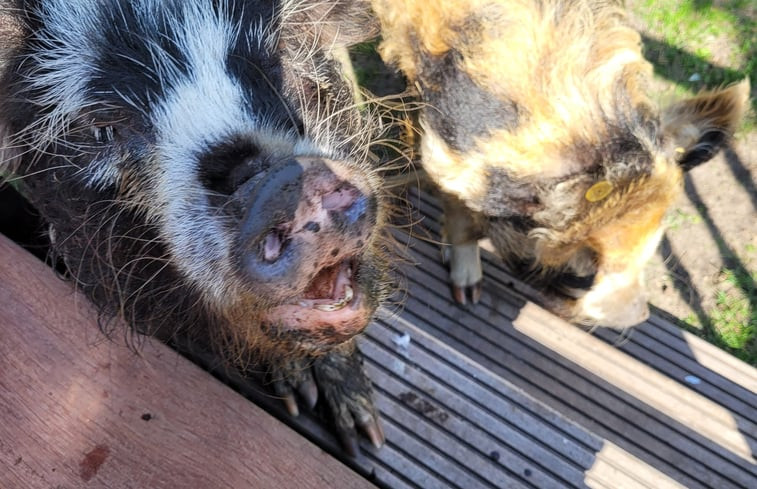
x: 202, y: 108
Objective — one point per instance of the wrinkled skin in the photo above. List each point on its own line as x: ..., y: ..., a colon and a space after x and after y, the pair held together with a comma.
x: 205, y: 175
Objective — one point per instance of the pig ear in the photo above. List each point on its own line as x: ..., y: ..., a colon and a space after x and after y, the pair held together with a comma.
x: 339, y: 23
x: 697, y: 128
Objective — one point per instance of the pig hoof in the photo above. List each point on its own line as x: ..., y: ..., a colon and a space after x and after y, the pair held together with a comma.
x: 295, y: 376
x: 348, y: 394
x: 338, y: 379
x: 465, y: 272
x: 462, y: 294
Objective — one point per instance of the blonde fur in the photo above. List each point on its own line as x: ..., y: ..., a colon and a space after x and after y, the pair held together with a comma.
x: 573, y: 79
x: 565, y: 69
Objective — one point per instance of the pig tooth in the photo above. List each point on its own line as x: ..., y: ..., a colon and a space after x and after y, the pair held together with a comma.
x: 348, y: 294
x: 305, y: 304
x: 330, y: 307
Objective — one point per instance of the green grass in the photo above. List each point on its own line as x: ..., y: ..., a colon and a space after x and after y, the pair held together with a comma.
x: 701, y: 43
x: 697, y: 44
x: 733, y: 321
x: 679, y: 218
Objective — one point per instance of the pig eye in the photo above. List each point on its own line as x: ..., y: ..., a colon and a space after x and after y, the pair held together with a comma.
x: 103, y: 134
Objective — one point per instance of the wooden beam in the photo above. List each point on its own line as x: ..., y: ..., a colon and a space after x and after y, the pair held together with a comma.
x: 77, y: 410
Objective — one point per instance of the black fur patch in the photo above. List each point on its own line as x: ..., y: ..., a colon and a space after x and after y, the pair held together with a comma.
x: 132, y: 70
x: 706, y: 148
x: 226, y: 166
x: 125, y: 63
x: 507, y: 197
x: 460, y: 110
x: 258, y: 71
x: 560, y: 280
x: 622, y: 157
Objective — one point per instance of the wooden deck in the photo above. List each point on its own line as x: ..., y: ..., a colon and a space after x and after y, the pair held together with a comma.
x: 498, y: 395
x: 522, y: 399
x: 77, y: 411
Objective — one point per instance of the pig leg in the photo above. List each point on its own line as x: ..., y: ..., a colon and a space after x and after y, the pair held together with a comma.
x: 339, y: 379
x: 462, y: 230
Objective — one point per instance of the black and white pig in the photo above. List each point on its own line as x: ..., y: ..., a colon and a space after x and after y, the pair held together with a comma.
x: 205, y: 172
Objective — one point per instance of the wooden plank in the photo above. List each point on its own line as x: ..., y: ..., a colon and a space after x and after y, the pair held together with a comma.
x: 486, y: 334
x: 646, y: 343
x: 472, y: 416
x: 633, y: 395
x: 653, y: 389
x: 452, y: 423
x: 77, y: 410
x: 615, y: 468
x: 710, y: 357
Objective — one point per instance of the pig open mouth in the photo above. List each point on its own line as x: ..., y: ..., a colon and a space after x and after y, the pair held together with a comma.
x: 333, y: 299
x: 305, y: 233
x: 333, y: 282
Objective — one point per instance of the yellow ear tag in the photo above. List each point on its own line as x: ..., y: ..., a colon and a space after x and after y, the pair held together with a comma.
x: 598, y: 191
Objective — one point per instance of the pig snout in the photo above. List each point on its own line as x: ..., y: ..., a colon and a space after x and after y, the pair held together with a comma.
x: 300, y: 218
x: 611, y: 304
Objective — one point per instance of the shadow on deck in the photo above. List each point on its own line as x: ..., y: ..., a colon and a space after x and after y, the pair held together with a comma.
x: 503, y: 394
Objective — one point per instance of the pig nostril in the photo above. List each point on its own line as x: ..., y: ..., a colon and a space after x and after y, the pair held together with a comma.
x: 272, y: 246
x: 357, y: 210
x: 349, y: 202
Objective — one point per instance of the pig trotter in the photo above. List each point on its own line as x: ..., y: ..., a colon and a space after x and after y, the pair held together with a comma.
x: 349, y: 396
x: 462, y: 294
x: 339, y: 380
x: 462, y: 230
x: 465, y: 272
x: 295, y: 375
